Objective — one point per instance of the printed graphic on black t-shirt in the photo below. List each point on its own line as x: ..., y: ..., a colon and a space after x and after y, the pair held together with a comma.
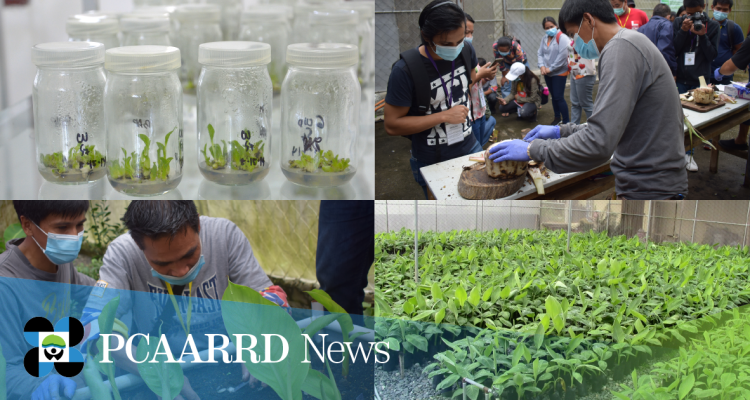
x: 459, y: 89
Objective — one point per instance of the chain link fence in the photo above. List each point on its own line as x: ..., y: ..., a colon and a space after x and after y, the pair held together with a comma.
x: 711, y: 222
x: 396, y: 26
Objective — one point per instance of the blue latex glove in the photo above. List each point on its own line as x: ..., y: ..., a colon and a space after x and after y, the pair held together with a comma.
x: 514, y: 150
x: 717, y: 75
x: 50, y: 388
x: 543, y: 132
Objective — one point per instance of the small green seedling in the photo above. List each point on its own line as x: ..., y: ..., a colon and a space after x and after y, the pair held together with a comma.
x: 324, y: 160
x: 243, y: 157
x: 78, y: 161
x: 140, y: 167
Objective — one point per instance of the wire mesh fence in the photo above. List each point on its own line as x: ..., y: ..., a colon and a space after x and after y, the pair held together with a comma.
x: 699, y: 221
x: 397, y: 29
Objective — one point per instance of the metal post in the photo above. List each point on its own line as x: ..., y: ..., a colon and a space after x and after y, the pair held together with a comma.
x: 695, y: 217
x: 609, y: 203
x: 460, y: 3
x: 416, y: 234
x: 570, y: 219
x: 505, y: 20
x: 744, y: 238
x: 386, y: 217
x: 3, y: 72
x: 648, y: 221
x: 463, y: 385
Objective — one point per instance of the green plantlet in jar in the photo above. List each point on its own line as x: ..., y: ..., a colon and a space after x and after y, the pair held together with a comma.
x: 305, y: 163
x: 163, y: 161
x: 331, y: 163
x: 219, y: 159
x: 78, y: 161
x: 246, y: 158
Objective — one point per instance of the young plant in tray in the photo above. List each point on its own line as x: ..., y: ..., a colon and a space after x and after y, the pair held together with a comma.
x: 139, y: 166
x: 95, y: 366
x: 245, y: 311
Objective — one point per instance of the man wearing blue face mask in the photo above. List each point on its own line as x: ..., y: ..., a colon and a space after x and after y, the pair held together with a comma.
x: 730, y: 38
x: 172, y: 251
x: 54, y: 232
x: 647, y: 153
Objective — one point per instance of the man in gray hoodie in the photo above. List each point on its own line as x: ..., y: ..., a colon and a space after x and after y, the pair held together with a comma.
x: 646, y: 150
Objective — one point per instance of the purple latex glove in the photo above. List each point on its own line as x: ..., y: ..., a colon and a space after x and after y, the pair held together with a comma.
x: 50, y: 388
x: 543, y: 132
x: 514, y: 150
x: 717, y: 75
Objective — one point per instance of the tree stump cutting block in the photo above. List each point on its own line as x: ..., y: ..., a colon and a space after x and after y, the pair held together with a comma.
x: 475, y: 184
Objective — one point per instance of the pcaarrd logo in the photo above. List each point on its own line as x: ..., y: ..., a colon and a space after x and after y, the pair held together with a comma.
x: 54, y: 347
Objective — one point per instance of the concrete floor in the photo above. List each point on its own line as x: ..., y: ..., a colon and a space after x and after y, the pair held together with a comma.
x: 394, y: 179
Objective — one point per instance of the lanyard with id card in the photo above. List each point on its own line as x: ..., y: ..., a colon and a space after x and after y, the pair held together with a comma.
x: 689, y: 58
x: 455, y: 132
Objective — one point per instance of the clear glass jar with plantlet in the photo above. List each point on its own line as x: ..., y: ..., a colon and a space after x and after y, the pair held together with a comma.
x: 198, y: 24
x: 320, y: 114
x: 235, y: 101
x: 69, y: 112
x: 144, y: 119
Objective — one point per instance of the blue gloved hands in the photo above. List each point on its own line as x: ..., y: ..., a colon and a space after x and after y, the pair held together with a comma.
x: 50, y: 388
x: 543, y: 132
x: 717, y: 75
x: 514, y: 150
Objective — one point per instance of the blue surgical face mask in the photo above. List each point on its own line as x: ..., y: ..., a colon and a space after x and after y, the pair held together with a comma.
x: 504, y: 53
x: 619, y: 11
x: 61, y: 249
x: 720, y: 16
x: 449, y: 53
x: 183, y: 280
x: 588, y: 50
x: 551, y: 32
x: 468, y: 39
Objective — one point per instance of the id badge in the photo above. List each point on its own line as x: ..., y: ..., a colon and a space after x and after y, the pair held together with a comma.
x: 483, y: 102
x: 455, y: 133
x: 689, y: 58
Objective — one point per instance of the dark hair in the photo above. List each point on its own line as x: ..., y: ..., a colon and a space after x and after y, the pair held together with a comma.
x: 693, y: 3
x: 662, y: 10
x: 440, y: 16
x: 469, y: 17
x: 673, y: 14
x: 631, y: 3
x: 680, y: 10
x: 505, y: 41
x: 38, y: 210
x: 550, y: 19
x: 725, y: 2
x: 158, y: 218
x: 481, y: 61
x: 527, y: 77
x: 572, y: 11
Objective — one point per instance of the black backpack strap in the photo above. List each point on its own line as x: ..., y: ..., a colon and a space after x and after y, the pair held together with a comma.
x: 730, y: 28
x: 418, y: 73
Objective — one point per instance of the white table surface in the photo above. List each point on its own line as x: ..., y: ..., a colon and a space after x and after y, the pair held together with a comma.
x: 20, y: 179
x: 442, y: 178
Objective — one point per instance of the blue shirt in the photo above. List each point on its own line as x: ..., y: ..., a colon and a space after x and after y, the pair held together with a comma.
x: 725, y: 52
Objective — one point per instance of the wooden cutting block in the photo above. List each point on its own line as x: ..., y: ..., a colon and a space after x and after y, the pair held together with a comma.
x: 475, y: 184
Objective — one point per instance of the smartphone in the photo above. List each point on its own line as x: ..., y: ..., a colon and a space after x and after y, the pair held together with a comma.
x: 497, y: 61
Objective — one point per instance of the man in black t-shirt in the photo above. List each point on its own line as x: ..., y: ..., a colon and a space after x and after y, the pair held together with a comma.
x: 739, y: 60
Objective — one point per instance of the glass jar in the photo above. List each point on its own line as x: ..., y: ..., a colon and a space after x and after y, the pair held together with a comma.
x: 267, y: 24
x: 197, y: 24
x: 301, y: 24
x: 167, y: 11
x: 333, y: 26
x: 143, y: 103
x: 366, y: 40
x: 69, y: 111
x: 93, y: 28
x: 235, y: 100
x: 320, y: 100
x: 230, y: 17
x: 145, y: 29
